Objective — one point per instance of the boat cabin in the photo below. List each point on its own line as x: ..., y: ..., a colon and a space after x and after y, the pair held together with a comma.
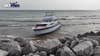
x: 49, y: 18
x: 45, y: 25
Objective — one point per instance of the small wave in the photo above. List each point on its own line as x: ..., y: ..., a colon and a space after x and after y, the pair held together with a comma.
x: 3, y: 25
x: 8, y: 36
x: 22, y: 20
x: 14, y: 25
x: 7, y: 25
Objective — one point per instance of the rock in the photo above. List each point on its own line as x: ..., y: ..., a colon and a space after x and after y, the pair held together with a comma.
x: 65, y: 51
x: 68, y: 51
x: 98, y: 33
x: 84, y: 48
x: 26, y: 46
x: 9, y: 44
x: 62, y: 40
x: 58, y: 53
x: 36, y: 55
x: 33, y: 48
x: 95, y: 42
x: 21, y: 41
x: 15, y: 45
x: 49, y: 45
x: 43, y: 53
x: 3, y: 53
x: 51, y: 55
x: 33, y: 54
x: 67, y: 43
x: 30, y: 54
x: 4, y: 45
x: 14, y: 52
x: 74, y: 43
x: 97, y: 51
x: 63, y: 18
x: 26, y: 50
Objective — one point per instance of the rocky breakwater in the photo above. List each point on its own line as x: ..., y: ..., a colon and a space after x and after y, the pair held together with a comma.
x: 52, y: 47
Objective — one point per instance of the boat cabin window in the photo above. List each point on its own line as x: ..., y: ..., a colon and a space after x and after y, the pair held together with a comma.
x: 41, y: 24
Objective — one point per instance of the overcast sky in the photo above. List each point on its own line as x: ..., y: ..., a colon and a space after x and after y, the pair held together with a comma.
x: 55, y: 4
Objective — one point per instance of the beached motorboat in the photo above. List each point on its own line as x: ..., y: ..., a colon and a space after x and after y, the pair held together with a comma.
x: 45, y: 27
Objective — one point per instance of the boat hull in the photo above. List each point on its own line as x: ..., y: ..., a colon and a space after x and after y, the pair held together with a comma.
x: 45, y: 31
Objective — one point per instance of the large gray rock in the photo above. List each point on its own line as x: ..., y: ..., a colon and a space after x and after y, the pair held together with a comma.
x: 67, y: 43
x: 21, y: 41
x: 62, y: 40
x: 29, y: 48
x: 74, y: 43
x: 26, y: 50
x: 30, y: 54
x: 33, y: 48
x: 43, y: 53
x: 97, y: 51
x: 50, y: 45
x: 84, y: 48
x: 11, y: 46
x: 26, y: 46
x: 65, y: 51
x: 36, y: 55
x: 3, y: 53
x: 14, y: 52
x: 95, y: 42
x: 7, y: 45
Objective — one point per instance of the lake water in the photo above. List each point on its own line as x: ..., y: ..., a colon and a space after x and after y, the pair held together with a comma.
x: 20, y: 22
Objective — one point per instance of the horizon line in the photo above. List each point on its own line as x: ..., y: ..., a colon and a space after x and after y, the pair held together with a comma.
x: 39, y: 9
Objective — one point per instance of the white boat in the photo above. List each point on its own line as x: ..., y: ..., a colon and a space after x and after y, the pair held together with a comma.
x: 45, y: 27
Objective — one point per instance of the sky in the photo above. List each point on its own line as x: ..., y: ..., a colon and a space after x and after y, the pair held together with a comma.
x: 54, y: 4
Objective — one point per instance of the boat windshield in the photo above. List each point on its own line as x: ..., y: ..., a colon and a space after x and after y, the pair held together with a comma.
x: 41, y: 24
x: 49, y: 18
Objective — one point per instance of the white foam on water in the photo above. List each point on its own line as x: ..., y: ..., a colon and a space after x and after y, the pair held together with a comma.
x: 9, y: 36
